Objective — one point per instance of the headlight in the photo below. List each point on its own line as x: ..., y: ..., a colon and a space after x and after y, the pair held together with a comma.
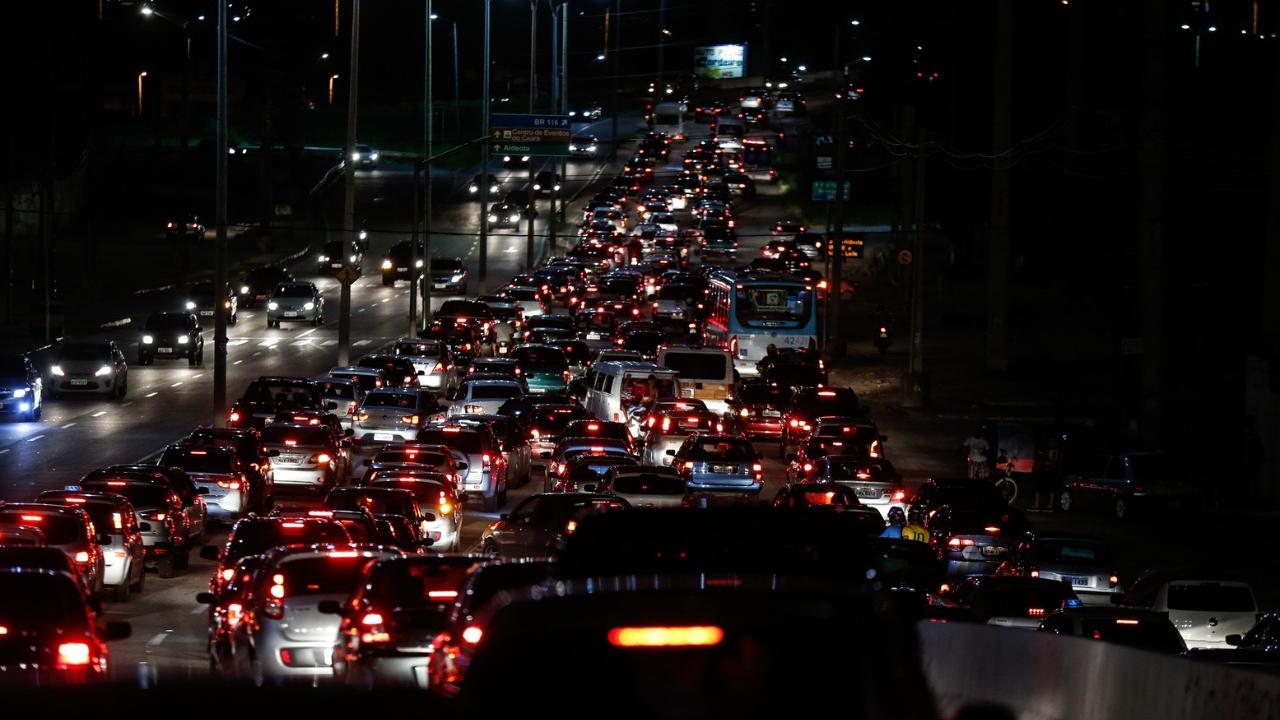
x: 309, y: 306
x: 494, y: 189
x: 273, y: 306
x: 506, y: 158
x: 355, y: 156
x: 417, y: 263
x: 364, y: 234
x: 591, y: 148
x: 493, y: 218
x: 104, y: 370
x: 514, y: 218
x: 183, y: 339
x: 324, y: 258
x: 557, y: 187
x: 147, y: 339
x: 373, y: 156
x: 354, y: 258
x: 524, y: 158
x: 457, y: 277
x: 244, y: 289
x: 573, y: 148
x: 20, y: 393
x: 573, y: 113
x: 473, y: 188
x: 56, y: 370
x: 386, y: 264
x: 191, y: 305
x: 536, y: 186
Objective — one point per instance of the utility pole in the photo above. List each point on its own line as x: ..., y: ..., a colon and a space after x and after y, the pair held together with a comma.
x: 531, y: 210
x: 997, y: 350
x: 564, y: 89
x: 556, y: 11
x: 349, y: 177
x: 662, y: 41
x: 457, y: 83
x: 915, y: 385
x: 220, y: 218
x: 484, y: 150
x: 1151, y: 291
x: 429, y: 142
x: 835, y: 301
x: 414, y: 221
x: 617, y: 73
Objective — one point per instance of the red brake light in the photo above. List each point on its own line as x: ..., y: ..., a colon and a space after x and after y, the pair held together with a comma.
x: 678, y: 636
x: 73, y: 654
x: 290, y: 443
x: 32, y: 518
x: 344, y: 554
x: 1035, y: 612
x: 826, y: 393
x: 442, y: 594
x: 82, y: 557
x: 320, y: 513
x: 472, y: 635
x: 898, y: 495
x: 1126, y: 621
x: 372, y: 618
x: 992, y: 528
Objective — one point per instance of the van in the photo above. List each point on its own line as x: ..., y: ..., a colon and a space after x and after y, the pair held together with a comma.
x: 730, y: 125
x: 614, y: 387
x: 706, y: 374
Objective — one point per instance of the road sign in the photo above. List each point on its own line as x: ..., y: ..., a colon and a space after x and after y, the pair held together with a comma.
x: 850, y: 245
x: 540, y: 135
x: 904, y: 257
x: 825, y: 190
x: 347, y: 275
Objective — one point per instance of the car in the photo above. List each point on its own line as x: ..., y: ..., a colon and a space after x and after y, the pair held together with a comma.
x: 817, y: 496
x: 875, y: 482
x: 171, y: 335
x: 21, y: 388
x: 757, y: 410
x: 591, y: 110
x: 976, y: 540
x: 1014, y: 602
x: 268, y: 396
x: 810, y: 403
x: 514, y: 443
x: 452, y: 647
x: 431, y: 361
x: 570, y: 447
x: 402, y: 457
x: 38, y: 557
x: 440, y: 521
x: 284, y: 636
x: 537, y: 525
x: 364, y: 156
x: 202, y: 300
x: 1130, y: 482
x: 114, y: 520
x: 1086, y: 564
x: 1142, y: 629
x: 643, y: 486
x: 400, y: 372
x: 544, y: 367
x: 89, y: 367
x: 846, y: 435
x: 480, y: 397
x: 310, y: 457
x: 546, y: 183
x: 583, y: 471
x: 15, y: 535
x: 187, y: 227
x: 412, y: 597
x: 544, y: 425
x: 935, y: 493
x: 71, y: 530
x: 584, y: 146
x: 511, y: 162
x: 256, y: 285
x: 170, y: 512
x: 504, y: 215
x: 670, y: 424
x: 218, y: 475
x: 300, y: 301
x: 347, y: 393
x: 477, y: 182
x: 394, y: 498
x: 450, y: 275
x: 788, y: 102
x: 255, y: 458
x: 788, y: 227
x: 256, y: 534
x: 485, y: 477
x: 226, y: 609
x: 404, y: 261
x: 1207, y: 607
x: 368, y: 378
x: 717, y: 462
x: 799, y: 368
x: 62, y: 643
x: 337, y: 254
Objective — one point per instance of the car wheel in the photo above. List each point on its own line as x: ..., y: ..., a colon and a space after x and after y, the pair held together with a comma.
x: 1122, y: 509
x: 165, y: 567
x: 490, y: 548
x: 1065, y: 501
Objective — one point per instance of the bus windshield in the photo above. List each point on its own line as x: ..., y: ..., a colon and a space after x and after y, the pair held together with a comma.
x: 773, y: 306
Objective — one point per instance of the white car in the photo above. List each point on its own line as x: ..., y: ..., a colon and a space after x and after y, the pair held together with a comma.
x: 1204, y: 609
x: 483, y: 397
x: 430, y: 360
x: 442, y: 505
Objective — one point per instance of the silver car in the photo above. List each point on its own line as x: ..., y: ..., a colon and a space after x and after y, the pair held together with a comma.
x: 89, y: 367
x: 284, y: 635
x: 123, y: 565
x: 393, y: 415
x: 430, y: 359
x: 295, y: 302
x: 644, y: 486
x: 219, y: 476
x: 310, y: 456
x: 347, y: 393
x: 483, y: 397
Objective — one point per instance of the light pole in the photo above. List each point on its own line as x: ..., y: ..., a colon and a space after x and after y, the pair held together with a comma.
x: 532, y: 209
x: 220, y: 218
x: 141, y: 75
x: 484, y: 150
x: 331, y: 79
x: 617, y: 70
x: 349, y: 176
x: 428, y: 143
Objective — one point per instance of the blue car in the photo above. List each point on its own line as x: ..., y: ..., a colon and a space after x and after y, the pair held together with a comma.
x: 718, y: 462
x: 545, y: 367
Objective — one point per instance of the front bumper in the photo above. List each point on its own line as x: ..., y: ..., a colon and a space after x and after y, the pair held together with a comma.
x: 276, y: 316
x: 400, y: 667
x: 14, y: 405
x: 69, y: 383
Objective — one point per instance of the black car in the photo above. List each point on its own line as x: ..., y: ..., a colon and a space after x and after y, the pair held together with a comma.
x: 187, y: 227
x: 254, y: 457
x: 21, y: 388
x: 266, y: 397
x: 171, y: 335
x: 397, y: 265
x: 337, y: 254
x: 957, y: 493
x: 202, y: 299
x: 546, y: 182
x: 505, y: 215
x: 495, y: 185
x: 257, y: 284
x: 449, y: 274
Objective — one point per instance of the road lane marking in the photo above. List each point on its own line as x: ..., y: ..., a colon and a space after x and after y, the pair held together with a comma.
x: 359, y: 343
x: 197, y: 610
x: 193, y: 377
x: 100, y: 413
x: 158, y: 638
x: 177, y: 384
x: 34, y: 438
x: 307, y: 332
x: 237, y: 342
x: 68, y: 425
x: 328, y: 343
x: 152, y: 394
x: 237, y: 362
x: 5, y: 450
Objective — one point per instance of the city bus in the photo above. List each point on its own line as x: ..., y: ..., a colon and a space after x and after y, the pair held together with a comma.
x: 748, y: 312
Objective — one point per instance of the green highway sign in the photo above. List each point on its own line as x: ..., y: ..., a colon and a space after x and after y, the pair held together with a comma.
x: 533, y: 149
x: 825, y: 190
x: 537, y: 135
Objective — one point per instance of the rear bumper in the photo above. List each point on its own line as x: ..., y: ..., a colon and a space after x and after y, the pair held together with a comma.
x: 364, y: 435
x: 303, y: 477
x: 395, y: 669
x: 711, y: 483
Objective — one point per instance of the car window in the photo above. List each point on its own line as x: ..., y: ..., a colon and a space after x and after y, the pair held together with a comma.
x: 717, y: 448
x: 200, y: 461
x: 1210, y: 597
x: 290, y: 435
x: 36, y: 600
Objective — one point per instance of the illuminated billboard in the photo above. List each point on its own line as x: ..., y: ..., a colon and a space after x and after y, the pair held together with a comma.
x: 720, y: 61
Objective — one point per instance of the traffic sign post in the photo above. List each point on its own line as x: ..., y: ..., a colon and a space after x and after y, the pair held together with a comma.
x: 825, y: 190
x: 346, y: 276
x: 533, y: 135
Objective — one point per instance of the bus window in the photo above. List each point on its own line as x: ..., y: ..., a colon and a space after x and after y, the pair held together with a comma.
x: 774, y: 306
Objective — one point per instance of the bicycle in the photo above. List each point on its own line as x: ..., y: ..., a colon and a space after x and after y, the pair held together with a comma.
x: 1004, y: 482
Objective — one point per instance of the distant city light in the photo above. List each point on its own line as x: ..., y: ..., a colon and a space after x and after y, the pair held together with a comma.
x: 146, y: 10
x: 855, y: 22
x: 1185, y: 26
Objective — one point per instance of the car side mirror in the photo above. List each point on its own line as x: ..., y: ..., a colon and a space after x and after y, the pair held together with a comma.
x: 202, y: 491
x: 144, y: 527
x: 210, y: 552
x: 330, y: 607
x: 116, y: 630
x: 426, y: 542
x: 422, y: 373
x: 204, y: 598
x: 464, y: 497
x: 273, y: 453
x: 545, y: 454
x: 104, y: 538
x: 331, y: 405
x: 671, y: 453
x: 1234, y: 640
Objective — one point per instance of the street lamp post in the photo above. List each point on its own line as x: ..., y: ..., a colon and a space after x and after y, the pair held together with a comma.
x: 141, y: 75
x: 349, y: 177
x: 428, y: 141
x: 220, y: 218
x: 484, y: 149
x: 331, y: 79
x: 617, y: 70
x: 532, y: 208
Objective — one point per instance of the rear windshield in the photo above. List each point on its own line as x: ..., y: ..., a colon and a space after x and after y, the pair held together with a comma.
x: 830, y: 402
x: 648, y: 485
x: 853, y: 471
x: 199, y: 461
x: 495, y: 392
x: 260, y: 392
x: 705, y: 366
x: 1066, y: 552
x: 720, y: 449
x: 391, y: 400
x: 34, y: 599
x: 420, y: 349
x: 763, y: 394
x: 1153, y: 635
x: 857, y: 433
x: 141, y: 496
x: 379, y: 503
x: 525, y: 294
x: 84, y: 352
x: 328, y: 575
x: 251, y: 538
x: 340, y: 391
x: 57, y: 529
x: 289, y: 436
x: 556, y: 418
x: 426, y: 492
x: 402, y: 585
x: 467, y: 442
x: 432, y: 459
x: 541, y: 359
x: 679, y: 292
x: 832, y: 496
x: 1210, y: 597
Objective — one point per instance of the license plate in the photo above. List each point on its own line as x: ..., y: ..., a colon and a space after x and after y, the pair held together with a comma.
x: 206, y: 313
x: 259, y: 297
x: 993, y: 550
x: 402, y: 269
x: 335, y: 265
x: 291, y: 314
x: 164, y: 350
x: 723, y: 468
x: 439, y: 286
x: 867, y: 492
x: 384, y: 437
x: 79, y: 382
x: 1078, y: 581
x: 593, y: 336
x: 772, y: 413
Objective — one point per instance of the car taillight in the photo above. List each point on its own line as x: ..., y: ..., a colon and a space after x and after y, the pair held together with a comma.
x: 82, y: 557
x: 744, y: 412
x: 1035, y: 612
x: 233, y: 417
x: 688, y: 465
x: 898, y: 495
x: 484, y: 462
x: 534, y: 434
x: 960, y: 542
x: 472, y: 634
x: 229, y: 484
x: 228, y: 574
x: 74, y: 654
x: 361, y: 417
x: 666, y: 424
x: 1114, y: 580
x: 651, y: 637
x: 351, y: 409
x: 1034, y: 573
x: 158, y: 517
x: 323, y: 459
x: 234, y: 612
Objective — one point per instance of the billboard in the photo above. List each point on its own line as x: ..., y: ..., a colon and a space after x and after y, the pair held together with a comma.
x: 720, y: 61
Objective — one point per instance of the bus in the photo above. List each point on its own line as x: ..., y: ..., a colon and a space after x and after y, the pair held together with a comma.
x: 748, y: 312
x: 669, y: 117
x: 757, y: 157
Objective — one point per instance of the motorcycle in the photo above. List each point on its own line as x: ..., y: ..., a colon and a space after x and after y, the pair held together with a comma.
x: 883, y: 341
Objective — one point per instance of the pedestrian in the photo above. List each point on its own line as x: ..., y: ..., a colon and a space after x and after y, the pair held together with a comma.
x: 978, y: 448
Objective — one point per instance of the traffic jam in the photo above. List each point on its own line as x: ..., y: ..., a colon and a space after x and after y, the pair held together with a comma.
x: 664, y: 477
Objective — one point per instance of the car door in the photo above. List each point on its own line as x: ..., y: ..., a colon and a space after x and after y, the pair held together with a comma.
x: 512, y: 537
x: 519, y: 454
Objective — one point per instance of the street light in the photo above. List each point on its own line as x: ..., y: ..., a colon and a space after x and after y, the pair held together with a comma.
x: 146, y: 10
x: 140, y: 76
x: 331, y: 79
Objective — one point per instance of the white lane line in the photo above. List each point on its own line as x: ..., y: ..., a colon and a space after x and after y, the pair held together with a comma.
x: 100, y: 413
x: 303, y: 343
x: 237, y: 342
x: 126, y: 404
x: 5, y: 450
x: 328, y: 343
x: 384, y: 302
x: 158, y: 638
x: 511, y: 249
x: 197, y: 610
x: 237, y: 362
x: 68, y: 425
x: 268, y: 343
x: 359, y: 343
x: 152, y: 394
x: 177, y: 384
x: 257, y: 353
x: 34, y: 438
x: 305, y: 333
x: 193, y: 377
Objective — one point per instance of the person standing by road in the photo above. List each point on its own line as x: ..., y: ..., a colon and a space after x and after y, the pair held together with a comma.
x: 978, y: 448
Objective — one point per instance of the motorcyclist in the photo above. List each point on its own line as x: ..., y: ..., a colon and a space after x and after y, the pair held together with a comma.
x: 915, y: 529
x: 897, y: 519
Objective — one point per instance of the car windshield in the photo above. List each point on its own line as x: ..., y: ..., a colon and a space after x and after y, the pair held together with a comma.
x: 764, y: 306
x: 830, y: 496
x: 37, y: 599
x: 763, y: 395
x: 167, y: 323
x: 293, y: 291
x: 719, y: 448
x: 828, y: 402
x: 199, y: 461
x: 426, y: 492
x: 291, y: 436
x: 1072, y: 552
x: 863, y: 434
x: 265, y: 276
x: 648, y: 484
x: 138, y: 494
x: 400, y: 584
x: 338, y: 390
x: 1151, y: 634
x: 859, y: 471
x: 1210, y: 597
x: 686, y: 293
x: 449, y: 264
x: 333, y: 574
x: 540, y: 359
x: 523, y: 294
x: 251, y: 537
x: 713, y: 366
x: 58, y: 529
x: 382, y: 399
x: 84, y: 353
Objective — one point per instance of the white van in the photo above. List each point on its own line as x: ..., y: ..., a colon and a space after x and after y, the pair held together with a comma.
x: 706, y: 374
x: 614, y: 387
x: 1205, y: 611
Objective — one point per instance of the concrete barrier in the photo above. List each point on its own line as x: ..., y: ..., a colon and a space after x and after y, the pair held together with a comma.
x: 1041, y: 676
